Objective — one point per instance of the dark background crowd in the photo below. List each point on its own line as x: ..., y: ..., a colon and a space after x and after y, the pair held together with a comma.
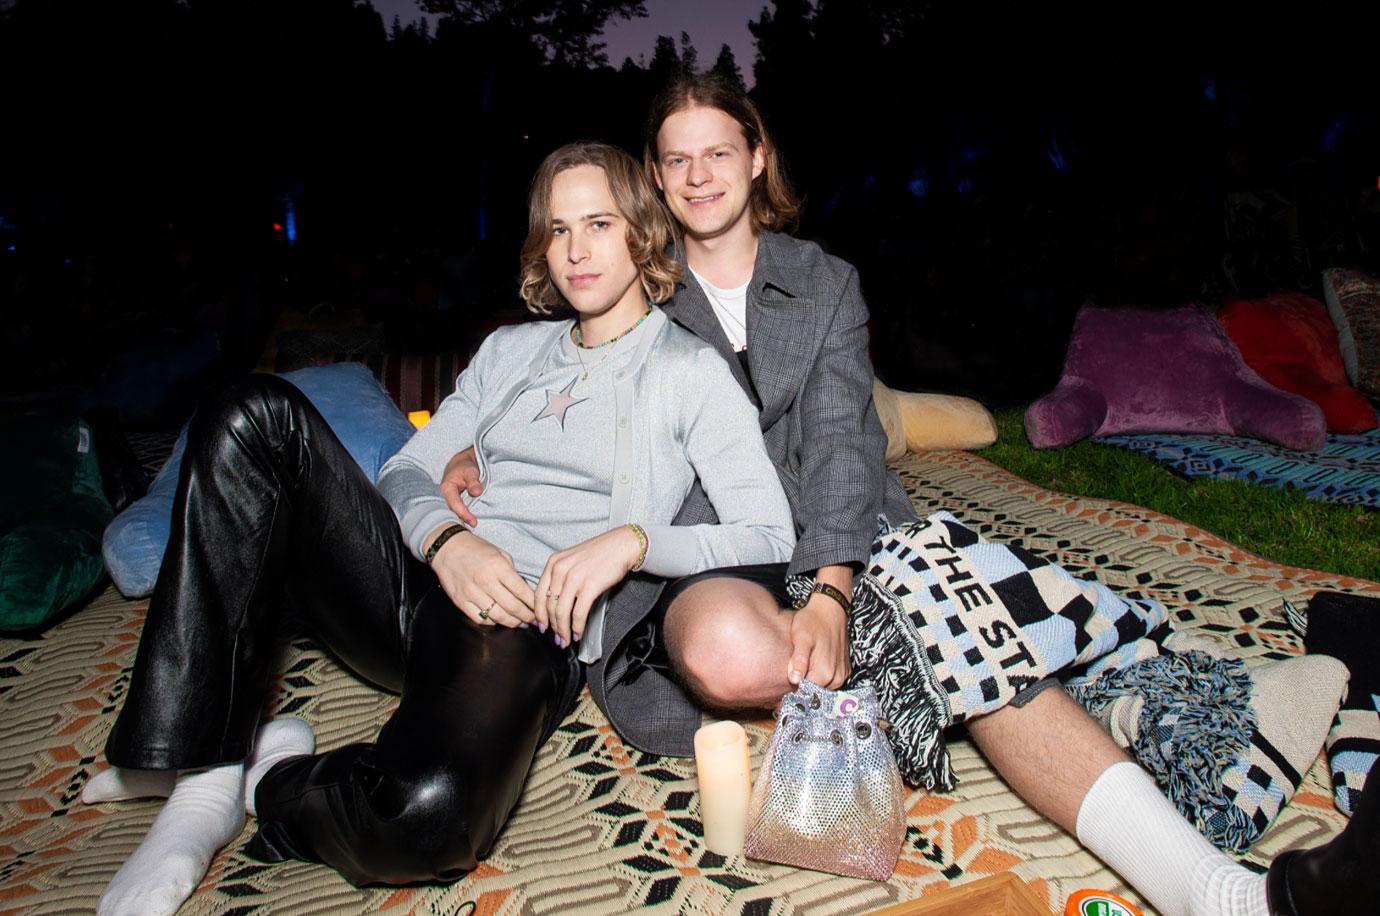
x: 175, y: 168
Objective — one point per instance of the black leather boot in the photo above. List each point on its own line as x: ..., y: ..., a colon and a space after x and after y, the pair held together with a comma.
x: 1341, y: 876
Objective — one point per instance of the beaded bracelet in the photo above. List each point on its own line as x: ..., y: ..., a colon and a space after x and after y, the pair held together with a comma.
x: 641, y: 546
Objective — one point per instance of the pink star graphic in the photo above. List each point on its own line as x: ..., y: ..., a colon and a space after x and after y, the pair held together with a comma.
x: 557, y: 403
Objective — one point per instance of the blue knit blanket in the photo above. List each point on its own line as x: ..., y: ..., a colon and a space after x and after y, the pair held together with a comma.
x: 1345, y: 470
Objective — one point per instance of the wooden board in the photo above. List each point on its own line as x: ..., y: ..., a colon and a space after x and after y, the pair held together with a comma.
x: 999, y: 895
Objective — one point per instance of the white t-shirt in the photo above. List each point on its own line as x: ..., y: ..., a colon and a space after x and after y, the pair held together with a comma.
x: 730, y: 307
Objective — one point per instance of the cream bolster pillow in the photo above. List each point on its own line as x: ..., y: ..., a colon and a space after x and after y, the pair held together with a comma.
x: 917, y: 422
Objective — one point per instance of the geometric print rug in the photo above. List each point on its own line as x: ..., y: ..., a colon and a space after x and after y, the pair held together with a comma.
x: 1345, y: 470
x: 602, y: 827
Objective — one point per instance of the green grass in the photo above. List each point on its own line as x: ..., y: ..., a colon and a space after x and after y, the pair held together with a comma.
x: 1280, y: 525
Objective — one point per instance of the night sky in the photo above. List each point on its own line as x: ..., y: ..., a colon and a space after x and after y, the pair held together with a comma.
x: 987, y: 176
x: 710, y: 23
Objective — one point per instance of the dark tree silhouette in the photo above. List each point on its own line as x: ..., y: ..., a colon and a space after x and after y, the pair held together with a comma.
x: 785, y: 38
x: 298, y: 24
x: 689, y: 57
x: 32, y: 25
x: 565, y: 30
x: 727, y: 65
x: 665, y: 63
x: 986, y: 167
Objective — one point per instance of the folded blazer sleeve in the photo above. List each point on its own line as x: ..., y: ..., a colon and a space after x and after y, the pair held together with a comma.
x: 843, y: 448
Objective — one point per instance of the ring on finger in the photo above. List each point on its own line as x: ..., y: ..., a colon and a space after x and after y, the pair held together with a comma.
x: 484, y: 614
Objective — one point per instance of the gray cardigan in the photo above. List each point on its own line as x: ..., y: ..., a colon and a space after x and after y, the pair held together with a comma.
x: 680, y: 416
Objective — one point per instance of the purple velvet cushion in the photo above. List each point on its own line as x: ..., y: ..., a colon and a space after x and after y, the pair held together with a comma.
x: 1171, y: 371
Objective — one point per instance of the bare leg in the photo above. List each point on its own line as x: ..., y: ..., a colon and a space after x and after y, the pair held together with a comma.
x: 730, y: 642
x: 1022, y: 742
x: 1116, y: 810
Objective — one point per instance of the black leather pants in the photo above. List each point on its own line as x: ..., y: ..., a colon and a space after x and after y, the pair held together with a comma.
x: 276, y: 531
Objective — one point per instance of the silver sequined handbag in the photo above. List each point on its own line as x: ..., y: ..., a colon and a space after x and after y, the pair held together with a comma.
x: 828, y: 795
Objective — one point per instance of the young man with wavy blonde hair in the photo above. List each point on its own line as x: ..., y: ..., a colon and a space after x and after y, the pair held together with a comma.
x: 278, y: 529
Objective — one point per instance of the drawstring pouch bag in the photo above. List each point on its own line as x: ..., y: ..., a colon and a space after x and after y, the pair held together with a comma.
x: 828, y: 795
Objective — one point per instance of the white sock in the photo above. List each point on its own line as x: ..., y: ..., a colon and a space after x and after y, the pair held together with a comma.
x: 276, y: 741
x: 204, y: 812
x: 1126, y: 821
x: 120, y: 783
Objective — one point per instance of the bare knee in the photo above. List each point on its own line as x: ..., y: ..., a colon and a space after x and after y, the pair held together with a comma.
x: 729, y: 642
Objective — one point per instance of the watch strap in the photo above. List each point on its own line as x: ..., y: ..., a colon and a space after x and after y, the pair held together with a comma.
x: 824, y: 588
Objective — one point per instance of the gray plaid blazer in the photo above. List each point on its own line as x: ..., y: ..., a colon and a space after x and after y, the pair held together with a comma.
x: 812, y: 378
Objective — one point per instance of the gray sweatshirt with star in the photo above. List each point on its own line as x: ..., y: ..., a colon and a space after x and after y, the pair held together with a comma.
x: 569, y: 448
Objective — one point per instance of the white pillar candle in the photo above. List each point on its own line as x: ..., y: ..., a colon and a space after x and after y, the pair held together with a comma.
x: 721, y: 759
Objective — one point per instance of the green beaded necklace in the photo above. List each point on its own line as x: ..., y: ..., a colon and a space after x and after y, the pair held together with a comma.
x: 580, y: 344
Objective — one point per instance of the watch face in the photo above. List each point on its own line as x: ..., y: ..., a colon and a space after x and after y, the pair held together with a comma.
x: 803, y: 600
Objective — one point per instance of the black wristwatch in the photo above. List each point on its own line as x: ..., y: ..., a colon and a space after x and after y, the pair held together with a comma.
x: 824, y: 588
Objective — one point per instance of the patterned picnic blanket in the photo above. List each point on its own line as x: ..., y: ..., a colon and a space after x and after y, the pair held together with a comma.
x: 602, y: 827
x: 1345, y: 470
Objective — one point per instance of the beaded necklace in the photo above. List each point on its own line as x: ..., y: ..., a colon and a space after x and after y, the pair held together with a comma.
x: 580, y: 345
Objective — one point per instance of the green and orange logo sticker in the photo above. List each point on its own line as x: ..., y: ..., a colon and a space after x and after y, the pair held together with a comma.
x: 1099, y: 903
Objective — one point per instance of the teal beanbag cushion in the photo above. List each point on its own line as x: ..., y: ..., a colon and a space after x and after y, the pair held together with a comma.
x: 52, y: 512
x: 360, y: 413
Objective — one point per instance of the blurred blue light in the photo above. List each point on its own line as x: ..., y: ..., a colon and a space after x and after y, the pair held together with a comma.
x: 1333, y: 133
x: 968, y: 154
x: 1056, y: 155
x: 964, y: 185
x: 869, y: 182
x: 291, y: 223
x: 11, y: 248
x: 919, y: 187
x: 1210, y: 87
